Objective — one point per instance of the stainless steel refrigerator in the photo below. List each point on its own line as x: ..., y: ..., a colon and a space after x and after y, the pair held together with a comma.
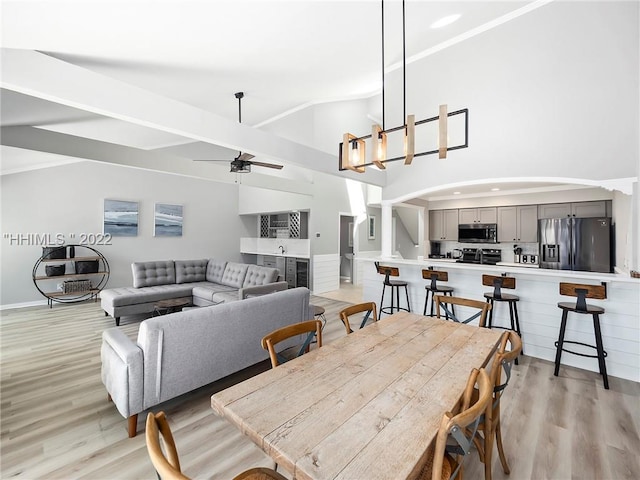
x: 575, y: 244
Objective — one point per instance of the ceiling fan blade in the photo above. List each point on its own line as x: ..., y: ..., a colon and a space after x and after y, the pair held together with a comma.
x: 268, y: 165
x: 210, y: 160
x: 244, y: 157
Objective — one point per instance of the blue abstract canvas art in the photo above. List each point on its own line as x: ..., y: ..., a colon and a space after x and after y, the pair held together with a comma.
x: 120, y: 218
x: 168, y: 220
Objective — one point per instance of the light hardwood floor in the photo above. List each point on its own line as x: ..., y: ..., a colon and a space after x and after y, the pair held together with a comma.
x: 56, y: 421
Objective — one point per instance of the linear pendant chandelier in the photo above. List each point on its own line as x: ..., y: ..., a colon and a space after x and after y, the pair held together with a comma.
x: 352, y: 149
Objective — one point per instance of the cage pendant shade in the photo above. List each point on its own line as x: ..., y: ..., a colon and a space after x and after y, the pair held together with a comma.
x: 353, y: 153
x: 379, y: 146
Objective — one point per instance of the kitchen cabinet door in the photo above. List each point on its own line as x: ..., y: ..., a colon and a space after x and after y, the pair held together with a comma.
x: 487, y: 215
x: 450, y: 227
x: 436, y: 223
x: 443, y: 225
x: 508, y: 224
x: 467, y: 215
x: 527, y: 223
x: 518, y: 224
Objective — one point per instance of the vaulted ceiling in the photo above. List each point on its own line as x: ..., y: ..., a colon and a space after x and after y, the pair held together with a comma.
x: 285, y: 56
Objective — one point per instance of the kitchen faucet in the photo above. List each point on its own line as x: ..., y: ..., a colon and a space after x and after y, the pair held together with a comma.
x: 281, y: 249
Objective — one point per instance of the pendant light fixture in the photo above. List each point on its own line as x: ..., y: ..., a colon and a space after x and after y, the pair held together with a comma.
x: 352, y: 151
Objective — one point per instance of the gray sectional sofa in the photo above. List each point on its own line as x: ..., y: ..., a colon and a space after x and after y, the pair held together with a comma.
x: 177, y: 353
x: 202, y: 282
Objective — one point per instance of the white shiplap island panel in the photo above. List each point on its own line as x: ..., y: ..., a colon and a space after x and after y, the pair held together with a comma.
x: 539, y: 314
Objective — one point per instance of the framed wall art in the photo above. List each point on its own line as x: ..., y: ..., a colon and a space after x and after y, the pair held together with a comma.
x: 120, y: 218
x: 167, y: 220
x: 371, y: 227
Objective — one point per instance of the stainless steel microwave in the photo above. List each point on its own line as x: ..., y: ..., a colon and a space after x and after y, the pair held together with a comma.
x: 478, y: 233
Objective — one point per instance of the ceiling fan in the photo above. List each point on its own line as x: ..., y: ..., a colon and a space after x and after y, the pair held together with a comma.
x: 242, y: 163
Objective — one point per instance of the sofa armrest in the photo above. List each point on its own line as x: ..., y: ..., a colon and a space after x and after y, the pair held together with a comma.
x: 122, y: 371
x: 257, y: 290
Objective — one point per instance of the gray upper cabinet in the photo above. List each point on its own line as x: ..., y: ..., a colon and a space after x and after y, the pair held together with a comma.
x: 443, y: 225
x: 576, y: 209
x: 478, y: 215
x: 518, y: 224
x: 589, y: 209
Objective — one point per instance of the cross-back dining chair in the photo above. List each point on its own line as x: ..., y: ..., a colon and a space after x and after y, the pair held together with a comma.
x: 490, y: 431
x: 456, y: 433
x: 313, y: 329
x: 167, y: 465
x: 367, y: 309
x: 444, y: 304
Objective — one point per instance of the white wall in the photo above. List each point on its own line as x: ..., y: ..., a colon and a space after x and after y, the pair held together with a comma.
x: 553, y: 93
x: 69, y: 199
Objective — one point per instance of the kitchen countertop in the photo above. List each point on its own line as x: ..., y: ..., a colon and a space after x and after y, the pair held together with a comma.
x: 508, y: 267
x: 514, y: 264
x: 285, y: 254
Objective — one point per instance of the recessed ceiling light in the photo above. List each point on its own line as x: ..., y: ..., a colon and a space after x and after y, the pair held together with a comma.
x: 444, y: 21
x: 495, y: 189
x: 456, y: 193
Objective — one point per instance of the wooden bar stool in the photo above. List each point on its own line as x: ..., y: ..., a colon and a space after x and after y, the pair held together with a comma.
x: 498, y: 283
x: 395, y: 288
x: 435, y: 289
x: 583, y: 292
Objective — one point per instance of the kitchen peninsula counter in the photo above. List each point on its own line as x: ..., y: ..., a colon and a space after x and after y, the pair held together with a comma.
x: 538, y: 289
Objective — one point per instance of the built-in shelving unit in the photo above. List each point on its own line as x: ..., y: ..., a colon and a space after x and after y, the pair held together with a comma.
x: 283, y: 225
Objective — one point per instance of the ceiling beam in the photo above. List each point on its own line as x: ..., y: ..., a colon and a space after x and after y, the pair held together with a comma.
x: 42, y: 76
x: 39, y: 140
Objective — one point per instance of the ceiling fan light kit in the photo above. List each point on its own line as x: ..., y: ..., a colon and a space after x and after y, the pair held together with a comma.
x: 352, y: 149
x: 242, y: 163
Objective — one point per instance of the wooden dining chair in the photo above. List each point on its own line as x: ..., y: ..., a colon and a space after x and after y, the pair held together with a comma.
x: 456, y: 433
x: 445, y: 304
x: 313, y: 329
x: 367, y: 308
x: 490, y: 431
x: 167, y: 465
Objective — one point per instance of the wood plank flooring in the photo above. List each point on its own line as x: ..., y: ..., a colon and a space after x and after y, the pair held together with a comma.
x: 56, y: 422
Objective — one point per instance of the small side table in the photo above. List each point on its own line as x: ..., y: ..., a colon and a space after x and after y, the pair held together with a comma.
x: 164, y: 307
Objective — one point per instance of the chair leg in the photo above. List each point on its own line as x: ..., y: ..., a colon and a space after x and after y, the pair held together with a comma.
x: 600, y: 349
x: 132, y: 425
x: 406, y: 291
x: 392, y: 300
x: 503, y: 458
x: 513, y: 317
x: 426, y: 302
x: 488, y: 454
x: 453, y: 307
x: 384, y: 286
x: 563, y: 326
x: 433, y: 294
x: 490, y: 319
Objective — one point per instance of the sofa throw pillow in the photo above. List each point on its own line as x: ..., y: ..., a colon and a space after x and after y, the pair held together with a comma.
x: 149, y: 274
x: 188, y: 271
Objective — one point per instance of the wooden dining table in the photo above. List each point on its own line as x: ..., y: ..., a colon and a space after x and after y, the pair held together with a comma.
x: 366, y: 406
